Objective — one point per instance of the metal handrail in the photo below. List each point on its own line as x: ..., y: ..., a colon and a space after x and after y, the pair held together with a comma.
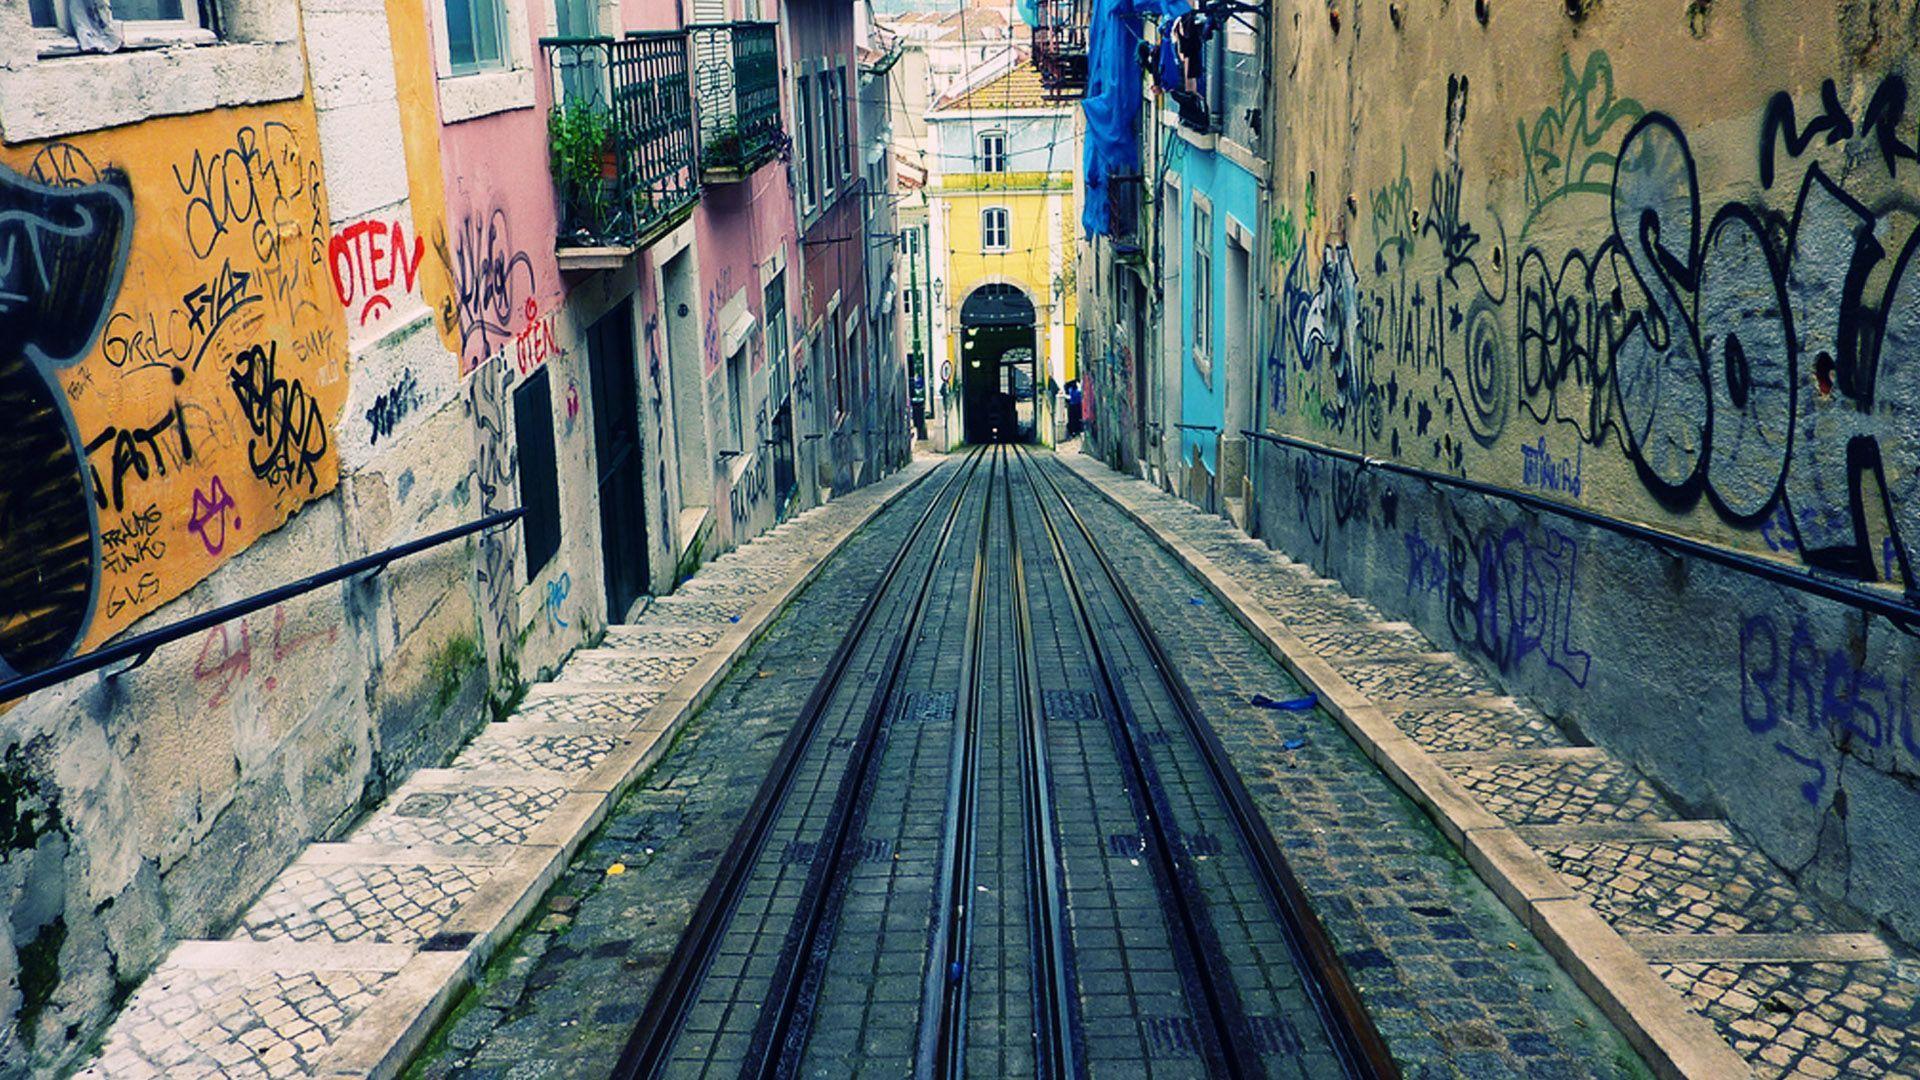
x: 140, y: 647
x: 1901, y: 613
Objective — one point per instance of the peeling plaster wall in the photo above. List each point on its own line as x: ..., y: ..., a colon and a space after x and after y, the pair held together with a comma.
x: 1650, y: 260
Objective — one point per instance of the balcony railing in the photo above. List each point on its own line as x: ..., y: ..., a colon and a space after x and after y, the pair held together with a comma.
x: 736, y: 80
x: 1060, y: 45
x: 620, y: 137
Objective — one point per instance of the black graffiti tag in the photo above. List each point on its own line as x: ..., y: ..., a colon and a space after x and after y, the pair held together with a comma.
x: 289, y: 434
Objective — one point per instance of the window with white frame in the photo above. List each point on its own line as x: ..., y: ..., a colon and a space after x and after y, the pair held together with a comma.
x: 774, y: 305
x: 829, y: 131
x: 808, y: 137
x: 993, y: 151
x: 1202, y: 286
x: 100, y: 25
x: 995, y: 230
x: 737, y: 398
x: 474, y: 37
x: 842, y: 110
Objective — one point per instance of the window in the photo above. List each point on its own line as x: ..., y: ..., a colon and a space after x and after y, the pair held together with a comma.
x: 133, y: 21
x: 775, y: 307
x: 809, y: 138
x: 736, y: 397
x: 473, y: 35
x: 994, y: 230
x: 910, y: 301
x: 842, y: 109
x: 1202, y: 286
x: 829, y: 130
x: 993, y: 151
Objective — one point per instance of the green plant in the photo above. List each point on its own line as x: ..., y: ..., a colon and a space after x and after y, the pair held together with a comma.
x: 728, y: 145
x: 580, y: 136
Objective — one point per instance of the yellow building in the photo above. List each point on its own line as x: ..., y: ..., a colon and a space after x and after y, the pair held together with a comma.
x: 1003, y: 207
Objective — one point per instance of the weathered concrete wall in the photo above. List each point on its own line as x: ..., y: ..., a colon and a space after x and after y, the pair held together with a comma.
x: 1648, y: 259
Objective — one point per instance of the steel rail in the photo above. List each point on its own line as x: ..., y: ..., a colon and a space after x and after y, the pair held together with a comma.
x: 653, y: 1034
x: 943, y: 1011
x: 1055, y: 1003
x: 1904, y: 614
x: 1362, y: 1051
x: 1223, y: 1032
x: 779, y: 1037
x: 139, y: 648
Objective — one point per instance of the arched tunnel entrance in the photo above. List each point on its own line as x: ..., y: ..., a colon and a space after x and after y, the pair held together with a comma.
x: 998, y: 364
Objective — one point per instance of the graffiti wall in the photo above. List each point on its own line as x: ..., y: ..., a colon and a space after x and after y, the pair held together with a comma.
x: 173, y: 363
x: 1658, y: 269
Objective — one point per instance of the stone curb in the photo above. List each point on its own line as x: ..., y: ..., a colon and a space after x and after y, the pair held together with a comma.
x: 379, y: 1042
x: 1675, y: 1041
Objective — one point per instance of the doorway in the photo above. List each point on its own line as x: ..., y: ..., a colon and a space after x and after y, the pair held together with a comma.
x: 999, y: 365
x: 620, y: 481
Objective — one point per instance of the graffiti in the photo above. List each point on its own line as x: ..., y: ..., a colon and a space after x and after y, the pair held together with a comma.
x: 210, y: 509
x: 573, y: 405
x: 1746, y: 367
x: 135, y: 594
x: 63, y: 253
x: 226, y: 661
x: 557, y: 592
x: 748, y: 492
x: 393, y: 406
x: 135, y: 539
x: 1508, y: 596
x: 1569, y: 149
x: 492, y: 278
x: 262, y: 182
x: 710, y: 332
x: 371, y: 262
x: 538, y: 342
x: 1790, y: 684
x: 496, y: 474
x: 143, y: 452
x: 1541, y: 468
x: 289, y: 434
x: 657, y: 399
x: 178, y: 340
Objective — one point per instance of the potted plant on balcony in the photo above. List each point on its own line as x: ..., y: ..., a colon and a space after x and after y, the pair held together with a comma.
x: 727, y: 148
x: 584, y: 159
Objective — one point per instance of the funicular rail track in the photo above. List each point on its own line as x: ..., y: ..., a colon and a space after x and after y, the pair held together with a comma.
x: 997, y: 874
x: 653, y: 1034
x: 1361, y: 1051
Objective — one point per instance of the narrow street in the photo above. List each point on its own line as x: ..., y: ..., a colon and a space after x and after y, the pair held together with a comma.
x: 999, y: 835
x: 938, y: 538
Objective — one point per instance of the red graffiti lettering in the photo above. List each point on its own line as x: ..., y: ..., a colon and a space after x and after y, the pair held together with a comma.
x: 370, y: 258
x: 538, y: 343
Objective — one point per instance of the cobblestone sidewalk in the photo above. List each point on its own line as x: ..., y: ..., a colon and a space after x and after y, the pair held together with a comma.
x: 344, y: 963
x: 1663, y: 921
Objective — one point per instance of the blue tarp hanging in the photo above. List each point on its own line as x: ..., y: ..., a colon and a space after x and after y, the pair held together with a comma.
x: 1113, y: 99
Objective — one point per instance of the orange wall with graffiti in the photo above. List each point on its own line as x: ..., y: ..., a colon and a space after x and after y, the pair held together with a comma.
x: 200, y: 414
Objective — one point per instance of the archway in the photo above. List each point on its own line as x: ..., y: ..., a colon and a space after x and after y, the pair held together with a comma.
x: 998, y: 364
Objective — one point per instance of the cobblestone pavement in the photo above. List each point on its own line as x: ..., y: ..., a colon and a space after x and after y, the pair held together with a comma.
x: 334, y: 968
x: 1790, y: 987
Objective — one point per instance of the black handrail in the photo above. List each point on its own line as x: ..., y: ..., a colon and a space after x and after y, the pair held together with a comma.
x: 1901, y: 613
x: 141, y: 646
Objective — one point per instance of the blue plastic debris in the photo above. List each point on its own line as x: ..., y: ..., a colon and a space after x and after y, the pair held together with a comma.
x: 1300, y: 704
x: 953, y: 971
x: 1196, y: 601
x: 1293, y: 744
x: 733, y: 618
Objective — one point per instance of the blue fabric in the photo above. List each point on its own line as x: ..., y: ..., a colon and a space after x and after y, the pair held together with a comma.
x: 1113, y: 99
